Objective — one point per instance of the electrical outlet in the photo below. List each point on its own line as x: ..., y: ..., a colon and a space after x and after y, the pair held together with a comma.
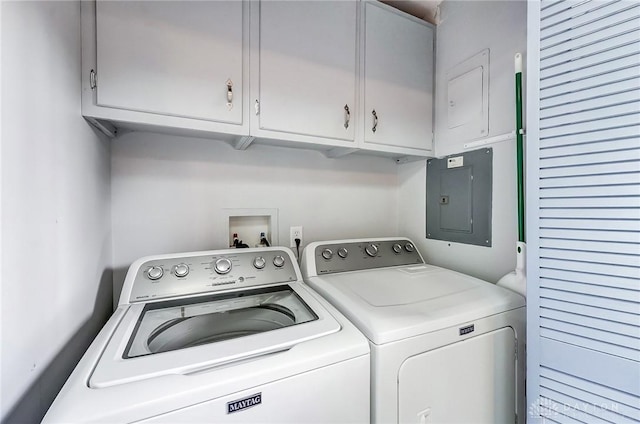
x: 294, y: 233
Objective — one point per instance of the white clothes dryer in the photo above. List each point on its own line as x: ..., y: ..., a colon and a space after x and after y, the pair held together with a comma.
x: 445, y: 347
x: 220, y: 336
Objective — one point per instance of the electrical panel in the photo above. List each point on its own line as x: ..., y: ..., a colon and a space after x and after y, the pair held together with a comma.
x: 459, y: 197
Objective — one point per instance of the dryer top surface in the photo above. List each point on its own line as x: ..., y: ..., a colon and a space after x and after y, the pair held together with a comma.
x: 391, y: 304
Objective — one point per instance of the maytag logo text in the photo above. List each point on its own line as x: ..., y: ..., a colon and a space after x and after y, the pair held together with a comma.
x: 241, y: 404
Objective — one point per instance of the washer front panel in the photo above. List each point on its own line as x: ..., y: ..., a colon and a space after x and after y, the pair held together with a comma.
x: 210, y: 273
x: 356, y: 256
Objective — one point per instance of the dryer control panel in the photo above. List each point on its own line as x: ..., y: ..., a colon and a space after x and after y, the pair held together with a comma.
x: 367, y: 254
x: 172, y: 276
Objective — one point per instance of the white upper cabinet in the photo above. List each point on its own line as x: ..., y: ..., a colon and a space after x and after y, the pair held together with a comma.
x: 304, y: 71
x: 158, y: 62
x: 297, y: 73
x: 397, y: 81
x: 171, y: 58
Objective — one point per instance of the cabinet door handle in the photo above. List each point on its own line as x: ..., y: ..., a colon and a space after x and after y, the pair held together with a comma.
x: 375, y: 120
x: 229, y: 93
x: 257, y: 107
x: 92, y: 79
x: 347, y: 116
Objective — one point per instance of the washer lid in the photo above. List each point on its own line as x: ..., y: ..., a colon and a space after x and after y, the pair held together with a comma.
x: 395, y: 303
x: 184, y: 323
x: 188, y: 335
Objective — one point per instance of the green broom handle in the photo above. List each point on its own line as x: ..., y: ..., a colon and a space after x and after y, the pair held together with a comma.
x: 519, y: 147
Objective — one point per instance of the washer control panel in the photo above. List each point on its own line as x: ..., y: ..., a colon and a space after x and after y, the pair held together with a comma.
x: 357, y: 256
x: 211, y: 272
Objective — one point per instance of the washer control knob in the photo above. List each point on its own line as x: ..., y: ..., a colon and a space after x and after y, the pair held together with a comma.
x: 371, y: 249
x: 397, y: 248
x: 278, y: 261
x: 327, y: 254
x: 155, y: 273
x: 222, y: 266
x: 343, y: 252
x: 259, y: 262
x: 409, y: 247
x: 181, y: 270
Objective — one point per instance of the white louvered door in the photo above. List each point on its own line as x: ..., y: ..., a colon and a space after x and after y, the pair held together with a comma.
x: 583, y: 193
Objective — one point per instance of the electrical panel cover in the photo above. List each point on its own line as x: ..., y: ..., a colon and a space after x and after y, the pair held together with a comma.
x: 459, y: 197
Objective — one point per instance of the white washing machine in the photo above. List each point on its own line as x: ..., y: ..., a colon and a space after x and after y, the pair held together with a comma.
x: 445, y: 347
x: 220, y: 336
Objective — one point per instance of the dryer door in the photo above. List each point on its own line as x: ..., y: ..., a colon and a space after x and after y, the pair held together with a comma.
x: 472, y: 381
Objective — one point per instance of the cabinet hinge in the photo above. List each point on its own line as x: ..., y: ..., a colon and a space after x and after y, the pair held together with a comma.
x: 92, y: 80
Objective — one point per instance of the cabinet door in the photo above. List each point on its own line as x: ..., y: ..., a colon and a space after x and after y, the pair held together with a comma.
x: 308, y: 67
x: 398, y: 79
x: 171, y: 57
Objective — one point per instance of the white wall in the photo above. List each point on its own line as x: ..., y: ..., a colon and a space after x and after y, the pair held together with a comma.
x: 466, y: 28
x: 56, y: 247
x: 168, y: 194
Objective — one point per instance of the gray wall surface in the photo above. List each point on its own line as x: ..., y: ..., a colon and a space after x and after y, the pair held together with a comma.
x: 168, y: 194
x: 56, y: 243
x: 466, y: 28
